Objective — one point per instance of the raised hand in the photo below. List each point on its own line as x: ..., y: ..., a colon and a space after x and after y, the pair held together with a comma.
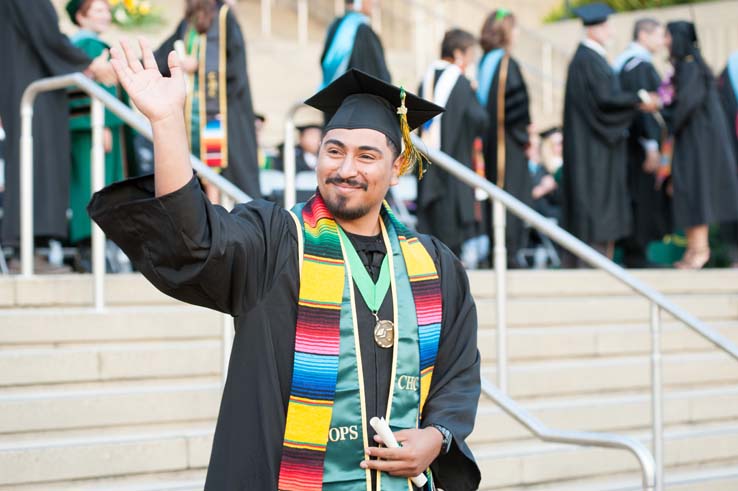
x: 159, y: 98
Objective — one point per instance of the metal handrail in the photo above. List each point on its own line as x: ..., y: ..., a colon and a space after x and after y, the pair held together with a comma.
x: 101, y: 99
x: 658, y: 301
x: 587, y: 439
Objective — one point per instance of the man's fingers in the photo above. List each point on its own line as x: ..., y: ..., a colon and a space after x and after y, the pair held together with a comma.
x: 131, y: 58
x: 149, y: 62
x: 391, y: 466
x: 120, y: 67
x: 404, y: 435
x: 387, y: 453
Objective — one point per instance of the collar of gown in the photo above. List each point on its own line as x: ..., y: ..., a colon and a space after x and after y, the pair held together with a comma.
x: 595, y: 46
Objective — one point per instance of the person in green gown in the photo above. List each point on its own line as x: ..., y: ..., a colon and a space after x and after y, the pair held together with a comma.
x: 93, y: 17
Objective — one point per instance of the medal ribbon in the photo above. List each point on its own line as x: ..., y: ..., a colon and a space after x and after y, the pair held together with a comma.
x: 372, y: 293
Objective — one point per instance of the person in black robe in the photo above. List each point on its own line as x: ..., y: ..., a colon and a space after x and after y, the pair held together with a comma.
x: 497, y: 37
x: 35, y: 48
x: 365, y: 53
x: 649, y: 202
x: 243, y: 166
x: 597, y: 115
x: 704, y: 173
x: 247, y: 263
x: 445, y: 205
x: 306, y: 150
x: 728, y: 88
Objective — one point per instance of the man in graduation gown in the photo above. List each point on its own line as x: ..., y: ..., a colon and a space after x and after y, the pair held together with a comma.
x: 650, y: 206
x: 34, y: 48
x: 352, y: 43
x: 319, y: 347
x: 239, y: 162
x: 728, y: 88
x: 597, y: 115
x: 445, y: 204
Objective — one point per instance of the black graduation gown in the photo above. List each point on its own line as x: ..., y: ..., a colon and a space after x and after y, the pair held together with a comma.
x: 368, y: 53
x: 597, y: 115
x: 704, y: 172
x: 243, y: 164
x: 34, y: 48
x: 729, y: 99
x: 651, y: 213
x: 517, y: 176
x: 445, y: 204
x: 245, y: 263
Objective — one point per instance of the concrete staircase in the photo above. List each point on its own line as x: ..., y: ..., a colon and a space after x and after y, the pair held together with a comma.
x: 126, y: 399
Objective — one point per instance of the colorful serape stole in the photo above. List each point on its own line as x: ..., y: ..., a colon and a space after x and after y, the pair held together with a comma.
x: 317, y: 339
x: 426, y: 287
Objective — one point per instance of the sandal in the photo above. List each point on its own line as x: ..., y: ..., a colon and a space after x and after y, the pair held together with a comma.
x: 693, y: 259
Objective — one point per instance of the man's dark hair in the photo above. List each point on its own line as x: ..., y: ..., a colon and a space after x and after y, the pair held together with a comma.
x: 393, y: 148
x: 647, y: 24
x: 456, y: 39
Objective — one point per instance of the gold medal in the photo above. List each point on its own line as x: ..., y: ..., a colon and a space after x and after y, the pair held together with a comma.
x: 384, y: 334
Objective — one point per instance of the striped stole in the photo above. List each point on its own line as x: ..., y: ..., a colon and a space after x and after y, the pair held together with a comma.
x: 317, y: 338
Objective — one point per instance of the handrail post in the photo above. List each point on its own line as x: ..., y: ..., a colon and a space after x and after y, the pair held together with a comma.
x: 290, y: 193
x: 500, y: 264
x: 657, y: 395
x: 302, y: 21
x: 266, y: 17
x: 26, y: 188
x: 98, y: 182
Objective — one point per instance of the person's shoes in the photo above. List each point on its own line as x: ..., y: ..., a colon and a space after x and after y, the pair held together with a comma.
x: 693, y: 259
x: 41, y: 265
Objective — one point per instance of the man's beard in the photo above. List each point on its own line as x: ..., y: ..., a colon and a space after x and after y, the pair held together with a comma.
x: 337, y: 205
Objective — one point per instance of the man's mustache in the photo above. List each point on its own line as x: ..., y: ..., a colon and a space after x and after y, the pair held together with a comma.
x: 348, y: 182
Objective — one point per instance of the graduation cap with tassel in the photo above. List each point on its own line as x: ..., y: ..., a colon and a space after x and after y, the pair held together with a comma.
x: 358, y: 100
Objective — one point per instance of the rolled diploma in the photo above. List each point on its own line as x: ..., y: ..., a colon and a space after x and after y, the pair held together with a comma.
x: 646, y: 98
x: 384, y: 432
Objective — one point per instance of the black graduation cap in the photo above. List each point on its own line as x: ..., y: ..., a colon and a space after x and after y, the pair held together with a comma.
x: 593, y: 14
x: 358, y: 100
x: 309, y: 126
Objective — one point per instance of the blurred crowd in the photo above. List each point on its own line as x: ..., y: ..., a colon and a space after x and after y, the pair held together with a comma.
x: 644, y: 167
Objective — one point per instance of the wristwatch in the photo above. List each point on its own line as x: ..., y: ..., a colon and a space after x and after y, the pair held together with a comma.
x: 447, y: 438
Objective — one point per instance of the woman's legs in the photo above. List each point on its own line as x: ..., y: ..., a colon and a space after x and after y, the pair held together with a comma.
x: 698, y: 248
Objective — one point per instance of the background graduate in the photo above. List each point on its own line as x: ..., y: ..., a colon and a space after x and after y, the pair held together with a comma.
x: 704, y: 171
x: 445, y: 204
x: 649, y: 202
x: 34, y: 48
x: 597, y: 115
x: 222, y: 135
x: 506, y: 163
x: 93, y: 17
x: 314, y: 292
x: 352, y: 43
x: 728, y: 88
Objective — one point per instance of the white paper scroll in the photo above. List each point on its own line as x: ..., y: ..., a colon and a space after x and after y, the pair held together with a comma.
x: 385, y: 433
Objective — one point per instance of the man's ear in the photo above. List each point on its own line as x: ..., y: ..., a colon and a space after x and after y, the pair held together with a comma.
x: 396, y: 166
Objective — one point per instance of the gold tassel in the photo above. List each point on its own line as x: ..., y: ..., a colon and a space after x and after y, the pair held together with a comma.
x: 411, y: 157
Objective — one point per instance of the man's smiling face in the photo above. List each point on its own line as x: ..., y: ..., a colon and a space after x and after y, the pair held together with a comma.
x: 355, y: 170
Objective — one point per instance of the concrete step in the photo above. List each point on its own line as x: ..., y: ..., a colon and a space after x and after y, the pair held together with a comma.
x: 190, y: 480
x: 611, y: 375
x: 591, y: 341
x: 530, y: 463
x: 691, y: 478
x: 566, y: 282
x: 89, y: 454
x: 114, y: 361
x: 568, y: 311
x: 134, y: 289
x: 610, y: 413
x: 99, y: 405
x: 50, y: 326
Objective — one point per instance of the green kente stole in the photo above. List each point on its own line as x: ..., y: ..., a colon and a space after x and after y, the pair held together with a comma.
x: 325, y: 435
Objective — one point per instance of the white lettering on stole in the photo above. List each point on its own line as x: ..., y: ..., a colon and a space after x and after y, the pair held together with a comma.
x: 406, y: 382
x: 341, y: 433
